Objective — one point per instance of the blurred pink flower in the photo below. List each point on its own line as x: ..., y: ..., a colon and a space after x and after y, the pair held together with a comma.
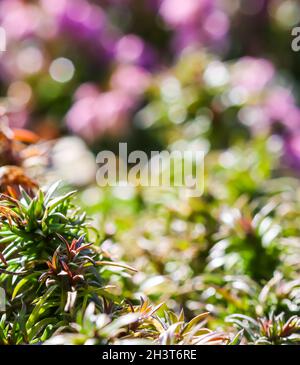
x: 19, y: 19
x: 178, y: 12
x: 216, y: 25
x: 105, y: 113
x: 194, y: 22
x: 131, y: 80
x: 86, y: 22
x: 292, y: 151
x: 279, y: 102
x: 86, y: 90
x: 132, y: 49
x: 129, y: 48
x: 95, y: 113
x: 292, y: 119
x: 281, y: 106
x: 18, y: 119
x: 252, y: 74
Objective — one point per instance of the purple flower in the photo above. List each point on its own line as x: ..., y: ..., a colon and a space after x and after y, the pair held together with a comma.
x: 194, y: 22
x: 132, y: 49
x: 252, y: 74
x: 131, y: 80
x: 86, y: 90
x: 292, y: 151
x: 178, y: 13
x: 95, y: 113
x: 20, y: 19
x: 85, y: 22
x: 18, y: 119
x: 92, y: 116
x: 281, y: 107
x: 216, y: 25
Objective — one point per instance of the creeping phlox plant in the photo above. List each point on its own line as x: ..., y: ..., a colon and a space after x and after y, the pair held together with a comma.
x: 233, y: 252
x: 226, y: 263
x: 57, y: 281
x: 49, y: 267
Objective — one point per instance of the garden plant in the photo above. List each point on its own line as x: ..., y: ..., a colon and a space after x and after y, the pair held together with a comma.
x: 84, y: 264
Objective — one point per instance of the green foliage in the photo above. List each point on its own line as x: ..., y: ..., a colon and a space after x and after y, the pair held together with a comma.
x: 232, y: 251
x: 222, y: 268
x: 50, y: 270
x: 268, y: 331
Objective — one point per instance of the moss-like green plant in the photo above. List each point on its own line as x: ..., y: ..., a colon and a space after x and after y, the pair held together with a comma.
x: 50, y: 269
